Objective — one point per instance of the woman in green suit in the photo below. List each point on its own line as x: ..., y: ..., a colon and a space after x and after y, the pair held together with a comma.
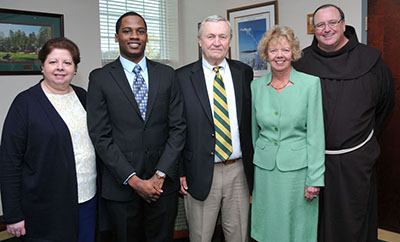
x: 288, y: 138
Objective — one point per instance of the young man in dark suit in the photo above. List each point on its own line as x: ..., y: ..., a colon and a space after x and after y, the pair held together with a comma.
x: 136, y: 123
x: 217, y: 171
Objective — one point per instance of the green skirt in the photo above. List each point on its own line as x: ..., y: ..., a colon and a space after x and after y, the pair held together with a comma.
x: 280, y: 212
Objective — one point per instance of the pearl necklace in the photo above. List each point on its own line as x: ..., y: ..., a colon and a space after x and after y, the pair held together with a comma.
x: 279, y: 88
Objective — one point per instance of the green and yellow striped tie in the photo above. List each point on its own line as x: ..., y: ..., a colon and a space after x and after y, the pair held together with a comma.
x: 223, y: 142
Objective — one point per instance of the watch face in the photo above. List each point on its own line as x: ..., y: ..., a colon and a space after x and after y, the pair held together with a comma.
x: 158, y: 174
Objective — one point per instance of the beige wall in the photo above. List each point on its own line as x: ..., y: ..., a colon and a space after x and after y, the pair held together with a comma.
x: 291, y: 13
x: 81, y: 24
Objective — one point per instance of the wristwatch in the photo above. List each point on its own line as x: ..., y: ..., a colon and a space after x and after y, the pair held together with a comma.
x: 160, y: 175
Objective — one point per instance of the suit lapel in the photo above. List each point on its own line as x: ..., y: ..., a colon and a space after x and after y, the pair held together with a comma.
x: 199, y: 85
x: 237, y: 78
x: 154, y: 81
x: 118, y: 74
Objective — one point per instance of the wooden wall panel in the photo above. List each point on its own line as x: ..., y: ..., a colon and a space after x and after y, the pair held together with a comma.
x: 384, y: 34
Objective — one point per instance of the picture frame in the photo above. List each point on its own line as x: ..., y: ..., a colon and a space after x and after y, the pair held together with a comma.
x: 249, y: 23
x: 200, y: 52
x: 310, y: 25
x: 22, y: 34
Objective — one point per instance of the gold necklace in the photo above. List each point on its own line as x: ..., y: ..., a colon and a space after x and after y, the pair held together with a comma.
x: 279, y: 88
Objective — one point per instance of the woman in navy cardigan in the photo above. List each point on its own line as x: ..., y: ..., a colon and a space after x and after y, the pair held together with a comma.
x: 48, y: 169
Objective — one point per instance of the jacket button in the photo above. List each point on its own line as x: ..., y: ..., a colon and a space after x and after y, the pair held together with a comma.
x: 276, y: 128
x: 212, y: 134
x: 276, y: 113
x: 276, y: 143
x: 211, y: 153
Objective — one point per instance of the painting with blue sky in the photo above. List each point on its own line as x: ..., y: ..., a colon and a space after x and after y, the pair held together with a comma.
x: 26, y: 38
x: 249, y: 35
x: 249, y: 24
x: 27, y: 29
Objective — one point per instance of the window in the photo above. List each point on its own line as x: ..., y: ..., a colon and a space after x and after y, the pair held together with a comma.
x: 161, y: 19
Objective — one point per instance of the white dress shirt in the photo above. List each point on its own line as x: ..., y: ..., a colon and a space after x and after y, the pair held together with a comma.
x: 225, y: 72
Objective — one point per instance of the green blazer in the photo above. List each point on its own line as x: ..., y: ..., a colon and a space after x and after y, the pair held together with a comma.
x: 288, y: 128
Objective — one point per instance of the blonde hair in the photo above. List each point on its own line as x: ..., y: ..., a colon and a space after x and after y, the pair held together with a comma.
x: 277, y: 33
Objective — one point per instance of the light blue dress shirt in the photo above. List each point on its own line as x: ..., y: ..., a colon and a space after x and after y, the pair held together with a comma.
x: 130, y: 75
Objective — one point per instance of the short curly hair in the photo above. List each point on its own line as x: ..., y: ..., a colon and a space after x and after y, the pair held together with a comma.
x: 60, y: 43
x: 278, y: 33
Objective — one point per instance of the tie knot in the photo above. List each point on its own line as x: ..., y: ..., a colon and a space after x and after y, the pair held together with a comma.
x: 137, y: 69
x: 216, y: 69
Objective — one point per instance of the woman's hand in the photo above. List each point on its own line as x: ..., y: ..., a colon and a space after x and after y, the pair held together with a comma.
x: 311, y: 192
x: 17, y: 229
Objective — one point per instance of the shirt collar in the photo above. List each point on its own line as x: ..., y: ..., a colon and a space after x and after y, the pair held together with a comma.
x: 292, y: 78
x: 129, y: 65
x: 210, y: 68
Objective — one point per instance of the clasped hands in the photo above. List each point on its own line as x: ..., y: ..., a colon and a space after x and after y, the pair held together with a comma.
x: 150, y: 190
x: 17, y: 229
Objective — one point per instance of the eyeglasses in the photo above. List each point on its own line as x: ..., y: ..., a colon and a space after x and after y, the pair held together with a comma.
x: 331, y: 23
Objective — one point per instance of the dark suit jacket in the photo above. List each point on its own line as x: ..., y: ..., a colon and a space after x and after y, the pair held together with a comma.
x: 198, y: 155
x: 37, y: 168
x: 125, y: 142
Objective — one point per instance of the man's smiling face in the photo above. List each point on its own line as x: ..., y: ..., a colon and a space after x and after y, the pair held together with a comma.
x: 132, y: 38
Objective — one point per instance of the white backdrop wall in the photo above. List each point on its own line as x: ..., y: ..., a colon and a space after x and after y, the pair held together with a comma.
x: 81, y: 24
x: 291, y: 13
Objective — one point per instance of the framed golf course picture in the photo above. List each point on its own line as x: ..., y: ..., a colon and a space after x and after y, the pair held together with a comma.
x: 22, y: 34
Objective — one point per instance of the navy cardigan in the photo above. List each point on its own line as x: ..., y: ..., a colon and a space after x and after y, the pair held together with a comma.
x: 37, y: 168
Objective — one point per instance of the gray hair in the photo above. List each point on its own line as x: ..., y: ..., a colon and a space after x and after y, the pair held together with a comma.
x: 213, y: 18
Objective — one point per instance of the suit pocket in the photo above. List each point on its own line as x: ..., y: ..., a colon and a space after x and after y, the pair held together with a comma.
x: 294, y: 158
x: 162, y: 95
x: 160, y: 108
x: 264, y: 155
x: 162, y: 98
x: 298, y: 145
